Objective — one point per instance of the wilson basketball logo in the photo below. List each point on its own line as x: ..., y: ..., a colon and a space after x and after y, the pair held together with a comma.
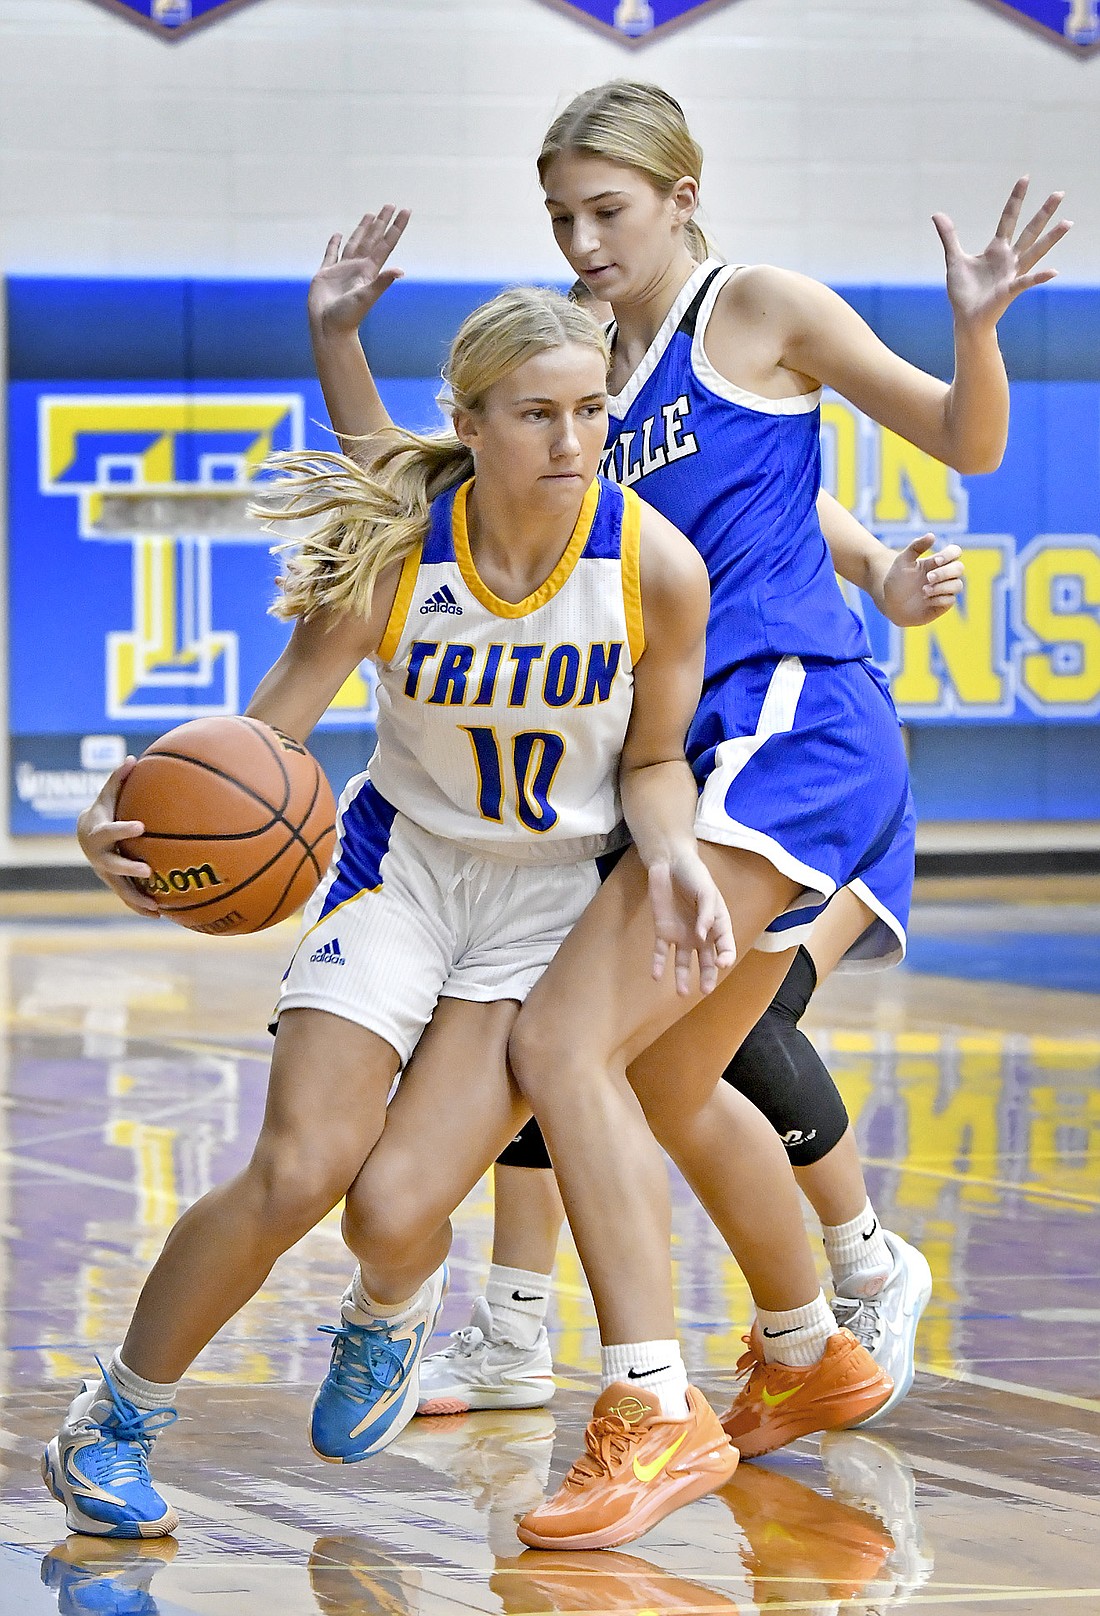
x: 196, y: 878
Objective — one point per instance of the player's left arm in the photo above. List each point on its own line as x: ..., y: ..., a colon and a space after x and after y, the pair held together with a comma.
x: 658, y: 790
x: 909, y: 587
x: 964, y: 424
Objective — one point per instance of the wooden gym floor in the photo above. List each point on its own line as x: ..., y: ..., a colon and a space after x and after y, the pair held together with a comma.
x: 133, y: 1069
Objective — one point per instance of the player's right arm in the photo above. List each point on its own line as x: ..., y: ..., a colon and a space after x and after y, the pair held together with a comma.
x: 341, y: 294
x: 99, y: 833
x: 322, y: 652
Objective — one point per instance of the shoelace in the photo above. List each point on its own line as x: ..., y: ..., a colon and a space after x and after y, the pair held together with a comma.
x: 748, y: 1360
x: 860, y: 1314
x: 609, y: 1442
x: 361, y: 1356
x: 130, y: 1432
x: 466, y: 1341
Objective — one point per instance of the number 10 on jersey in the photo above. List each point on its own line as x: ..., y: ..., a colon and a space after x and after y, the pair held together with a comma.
x: 536, y: 758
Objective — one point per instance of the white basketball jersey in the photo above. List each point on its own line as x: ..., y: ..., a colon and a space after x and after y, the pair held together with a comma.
x: 500, y: 724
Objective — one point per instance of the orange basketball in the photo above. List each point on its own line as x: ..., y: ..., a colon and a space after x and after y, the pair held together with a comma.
x: 239, y: 824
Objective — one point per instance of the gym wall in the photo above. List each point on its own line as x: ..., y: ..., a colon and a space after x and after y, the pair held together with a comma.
x: 197, y: 171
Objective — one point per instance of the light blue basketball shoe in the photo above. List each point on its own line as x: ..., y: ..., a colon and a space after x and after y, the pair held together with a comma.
x: 373, y: 1385
x: 102, y: 1576
x: 98, y: 1465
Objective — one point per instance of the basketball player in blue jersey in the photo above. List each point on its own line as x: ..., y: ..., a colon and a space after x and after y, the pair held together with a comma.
x: 715, y: 381
x: 502, y: 1358
x: 539, y: 636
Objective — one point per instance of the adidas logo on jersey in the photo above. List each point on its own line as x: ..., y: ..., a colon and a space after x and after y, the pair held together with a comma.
x: 328, y: 954
x: 442, y: 601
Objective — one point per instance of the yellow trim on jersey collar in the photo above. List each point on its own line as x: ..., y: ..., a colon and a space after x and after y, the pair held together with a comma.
x: 399, y: 611
x: 546, y: 591
x: 630, y: 550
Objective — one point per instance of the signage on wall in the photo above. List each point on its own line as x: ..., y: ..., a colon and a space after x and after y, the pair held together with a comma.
x: 1073, y: 23
x: 173, y: 19
x: 634, y: 22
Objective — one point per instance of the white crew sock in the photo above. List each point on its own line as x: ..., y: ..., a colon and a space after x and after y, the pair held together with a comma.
x: 359, y: 1308
x: 858, y: 1248
x: 144, y: 1394
x: 656, y: 1365
x: 518, y: 1300
x: 798, y: 1336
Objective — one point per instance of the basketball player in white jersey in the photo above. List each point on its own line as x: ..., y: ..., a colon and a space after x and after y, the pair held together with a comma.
x: 539, y: 636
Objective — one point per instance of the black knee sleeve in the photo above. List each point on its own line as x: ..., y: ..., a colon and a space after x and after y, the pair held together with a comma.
x: 780, y: 1071
x: 528, y: 1148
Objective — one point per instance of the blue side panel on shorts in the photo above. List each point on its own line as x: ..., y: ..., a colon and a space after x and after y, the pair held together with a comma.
x: 604, y: 541
x: 365, y: 826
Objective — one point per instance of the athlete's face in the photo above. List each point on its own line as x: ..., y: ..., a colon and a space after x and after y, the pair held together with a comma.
x: 617, y: 232
x: 540, y: 431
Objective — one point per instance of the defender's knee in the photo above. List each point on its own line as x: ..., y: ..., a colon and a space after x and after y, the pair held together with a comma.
x: 527, y: 1149
x: 541, y: 1059
x: 780, y: 1071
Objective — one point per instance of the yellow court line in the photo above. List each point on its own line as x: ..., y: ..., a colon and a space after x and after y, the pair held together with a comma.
x: 1030, y: 1190
x: 1088, y: 1405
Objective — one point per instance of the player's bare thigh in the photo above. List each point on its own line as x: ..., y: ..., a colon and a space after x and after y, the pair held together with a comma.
x: 598, y: 1002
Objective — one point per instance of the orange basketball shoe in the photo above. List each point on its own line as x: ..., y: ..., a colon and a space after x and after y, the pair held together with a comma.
x: 604, y: 1583
x: 639, y: 1467
x: 778, y: 1403
x: 801, y: 1546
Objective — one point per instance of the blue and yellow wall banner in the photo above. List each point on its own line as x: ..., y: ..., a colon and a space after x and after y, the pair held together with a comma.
x: 173, y: 19
x: 1073, y: 23
x: 634, y: 22
x: 140, y: 412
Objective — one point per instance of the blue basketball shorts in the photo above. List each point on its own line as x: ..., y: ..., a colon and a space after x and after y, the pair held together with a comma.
x: 801, y: 761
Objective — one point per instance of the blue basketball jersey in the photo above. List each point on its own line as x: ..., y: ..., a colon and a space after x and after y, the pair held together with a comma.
x: 740, y: 475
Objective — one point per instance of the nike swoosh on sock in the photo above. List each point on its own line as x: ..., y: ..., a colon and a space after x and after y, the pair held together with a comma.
x: 640, y: 1374
x: 517, y: 1297
x: 871, y: 1230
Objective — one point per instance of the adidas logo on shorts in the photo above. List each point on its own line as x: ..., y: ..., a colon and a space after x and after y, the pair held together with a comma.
x: 442, y: 601
x: 328, y: 954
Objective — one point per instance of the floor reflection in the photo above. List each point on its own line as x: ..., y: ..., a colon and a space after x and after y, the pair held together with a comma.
x: 132, y: 1071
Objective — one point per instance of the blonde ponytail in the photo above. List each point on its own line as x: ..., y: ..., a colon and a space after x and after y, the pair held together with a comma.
x: 367, y: 520
x: 370, y: 519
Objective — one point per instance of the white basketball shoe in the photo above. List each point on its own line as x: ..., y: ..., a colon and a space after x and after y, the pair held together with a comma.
x: 476, y: 1372
x: 868, y: 1473
x: 886, y: 1323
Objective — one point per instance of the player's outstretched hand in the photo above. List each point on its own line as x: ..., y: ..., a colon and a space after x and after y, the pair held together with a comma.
x: 99, y: 833
x: 352, y: 279
x: 920, y: 587
x: 691, y: 921
x: 981, y: 287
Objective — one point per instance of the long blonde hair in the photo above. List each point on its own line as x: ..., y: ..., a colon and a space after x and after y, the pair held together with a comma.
x: 370, y: 518
x: 639, y: 125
